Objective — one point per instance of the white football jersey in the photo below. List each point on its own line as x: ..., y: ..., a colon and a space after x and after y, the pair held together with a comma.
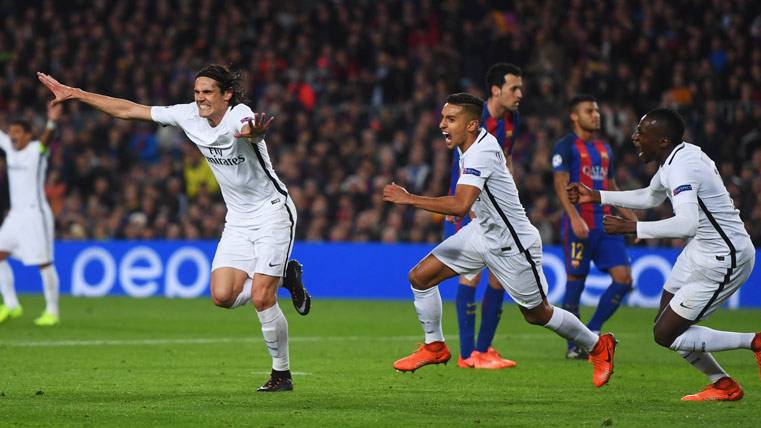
x: 249, y: 185
x: 689, y: 176
x: 498, y: 209
x: 26, y: 176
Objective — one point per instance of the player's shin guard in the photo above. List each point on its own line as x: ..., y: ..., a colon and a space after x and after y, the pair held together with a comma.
x: 704, y: 363
x: 7, y: 288
x: 466, y: 319
x: 609, y: 303
x: 569, y: 327
x: 245, y: 295
x: 50, y: 284
x: 275, y: 332
x: 491, y: 311
x: 704, y: 339
x: 428, y: 308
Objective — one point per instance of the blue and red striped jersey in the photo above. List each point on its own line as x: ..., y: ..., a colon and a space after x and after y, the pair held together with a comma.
x: 589, y: 163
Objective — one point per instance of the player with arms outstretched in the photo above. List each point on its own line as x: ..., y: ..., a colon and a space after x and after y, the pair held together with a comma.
x: 717, y: 260
x: 252, y: 256
x: 500, y: 238
x: 581, y: 157
x: 28, y: 230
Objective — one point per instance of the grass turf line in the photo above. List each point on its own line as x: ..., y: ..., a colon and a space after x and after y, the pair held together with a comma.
x: 153, y: 362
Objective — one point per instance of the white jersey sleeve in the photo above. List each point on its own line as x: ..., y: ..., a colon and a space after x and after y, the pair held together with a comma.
x: 477, y: 167
x: 171, y: 115
x: 648, y: 197
x: 241, y: 114
x: 5, y: 141
x: 682, y: 182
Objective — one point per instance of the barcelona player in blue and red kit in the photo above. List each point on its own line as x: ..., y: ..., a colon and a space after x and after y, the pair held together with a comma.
x: 500, y: 118
x: 581, y: 157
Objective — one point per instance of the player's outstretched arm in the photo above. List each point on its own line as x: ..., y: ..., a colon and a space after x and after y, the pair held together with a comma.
x: 116, y: 107
x: 684, y: 224
x: 457, y: 205
x: 54, y: 113
x: 625, y: 212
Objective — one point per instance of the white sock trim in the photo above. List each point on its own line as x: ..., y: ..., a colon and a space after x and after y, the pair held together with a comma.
x: 275, y: 333
x: 245, y: 295
x: 50, y: 286
x: 428, y: 307
x: 7, y: 288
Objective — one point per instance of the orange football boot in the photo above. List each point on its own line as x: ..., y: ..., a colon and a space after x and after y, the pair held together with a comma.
x: 430, y: 353
x: 465, y: 363
x: 755, y: 346
x: 506, y: 364
x: 601, y: 358
x: 724, y: 389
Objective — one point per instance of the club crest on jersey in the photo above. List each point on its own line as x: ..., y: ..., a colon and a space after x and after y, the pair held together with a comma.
x: 682, y: 188
x: 471, y: 171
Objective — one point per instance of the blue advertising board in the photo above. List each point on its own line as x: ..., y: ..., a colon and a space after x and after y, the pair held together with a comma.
x: 181, y: 269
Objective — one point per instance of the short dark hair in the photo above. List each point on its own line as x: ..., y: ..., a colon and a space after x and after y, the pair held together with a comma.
x: 23, y: 123
x: 227, y: 79
x: 669, y: 122
x: 578, y: 99
x: 495, y: 75
x: 470, y: 103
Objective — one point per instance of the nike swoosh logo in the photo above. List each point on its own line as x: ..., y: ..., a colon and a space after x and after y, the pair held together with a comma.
x: 682, y: 305
x: 303, y: 306
x: 271, y: 265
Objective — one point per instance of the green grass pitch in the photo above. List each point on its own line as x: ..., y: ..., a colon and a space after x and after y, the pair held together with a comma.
x: 159, y: 362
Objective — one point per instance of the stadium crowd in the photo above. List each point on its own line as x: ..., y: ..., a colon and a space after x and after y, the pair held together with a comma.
x: 356, y: 88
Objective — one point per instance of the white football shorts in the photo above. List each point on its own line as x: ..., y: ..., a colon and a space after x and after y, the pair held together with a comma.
x: 28, y: 236
x: 702, y: 282
x: 263, y: 249
x: 520, y: 274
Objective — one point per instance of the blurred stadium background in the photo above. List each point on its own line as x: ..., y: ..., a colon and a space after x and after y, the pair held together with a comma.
x: 356, y: 88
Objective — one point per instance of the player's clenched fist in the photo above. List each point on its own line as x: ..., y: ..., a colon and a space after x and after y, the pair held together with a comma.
x: 615, y: 225
x: 581, y: 194
x: 395, y: 193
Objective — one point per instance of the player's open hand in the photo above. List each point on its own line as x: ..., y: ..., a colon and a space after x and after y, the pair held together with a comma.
x: 256, y: 127
x: 54, y: 111
x: 616, y: 225
x: 60, y: 91
x: 581, y: 194
x: 395, y: 193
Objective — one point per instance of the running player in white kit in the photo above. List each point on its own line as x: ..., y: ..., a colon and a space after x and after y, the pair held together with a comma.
x: 717, y: 260
x: 252, y: 256
x: 500, y: 238
x: 27, y: 233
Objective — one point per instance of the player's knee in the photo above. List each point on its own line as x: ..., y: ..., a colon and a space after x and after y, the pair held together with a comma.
x: 262, y: 302
x: 539, y: 315
x: 662, y: 337
x: 222, y: 297
x: 417, y: 281
x: 222, y: 301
